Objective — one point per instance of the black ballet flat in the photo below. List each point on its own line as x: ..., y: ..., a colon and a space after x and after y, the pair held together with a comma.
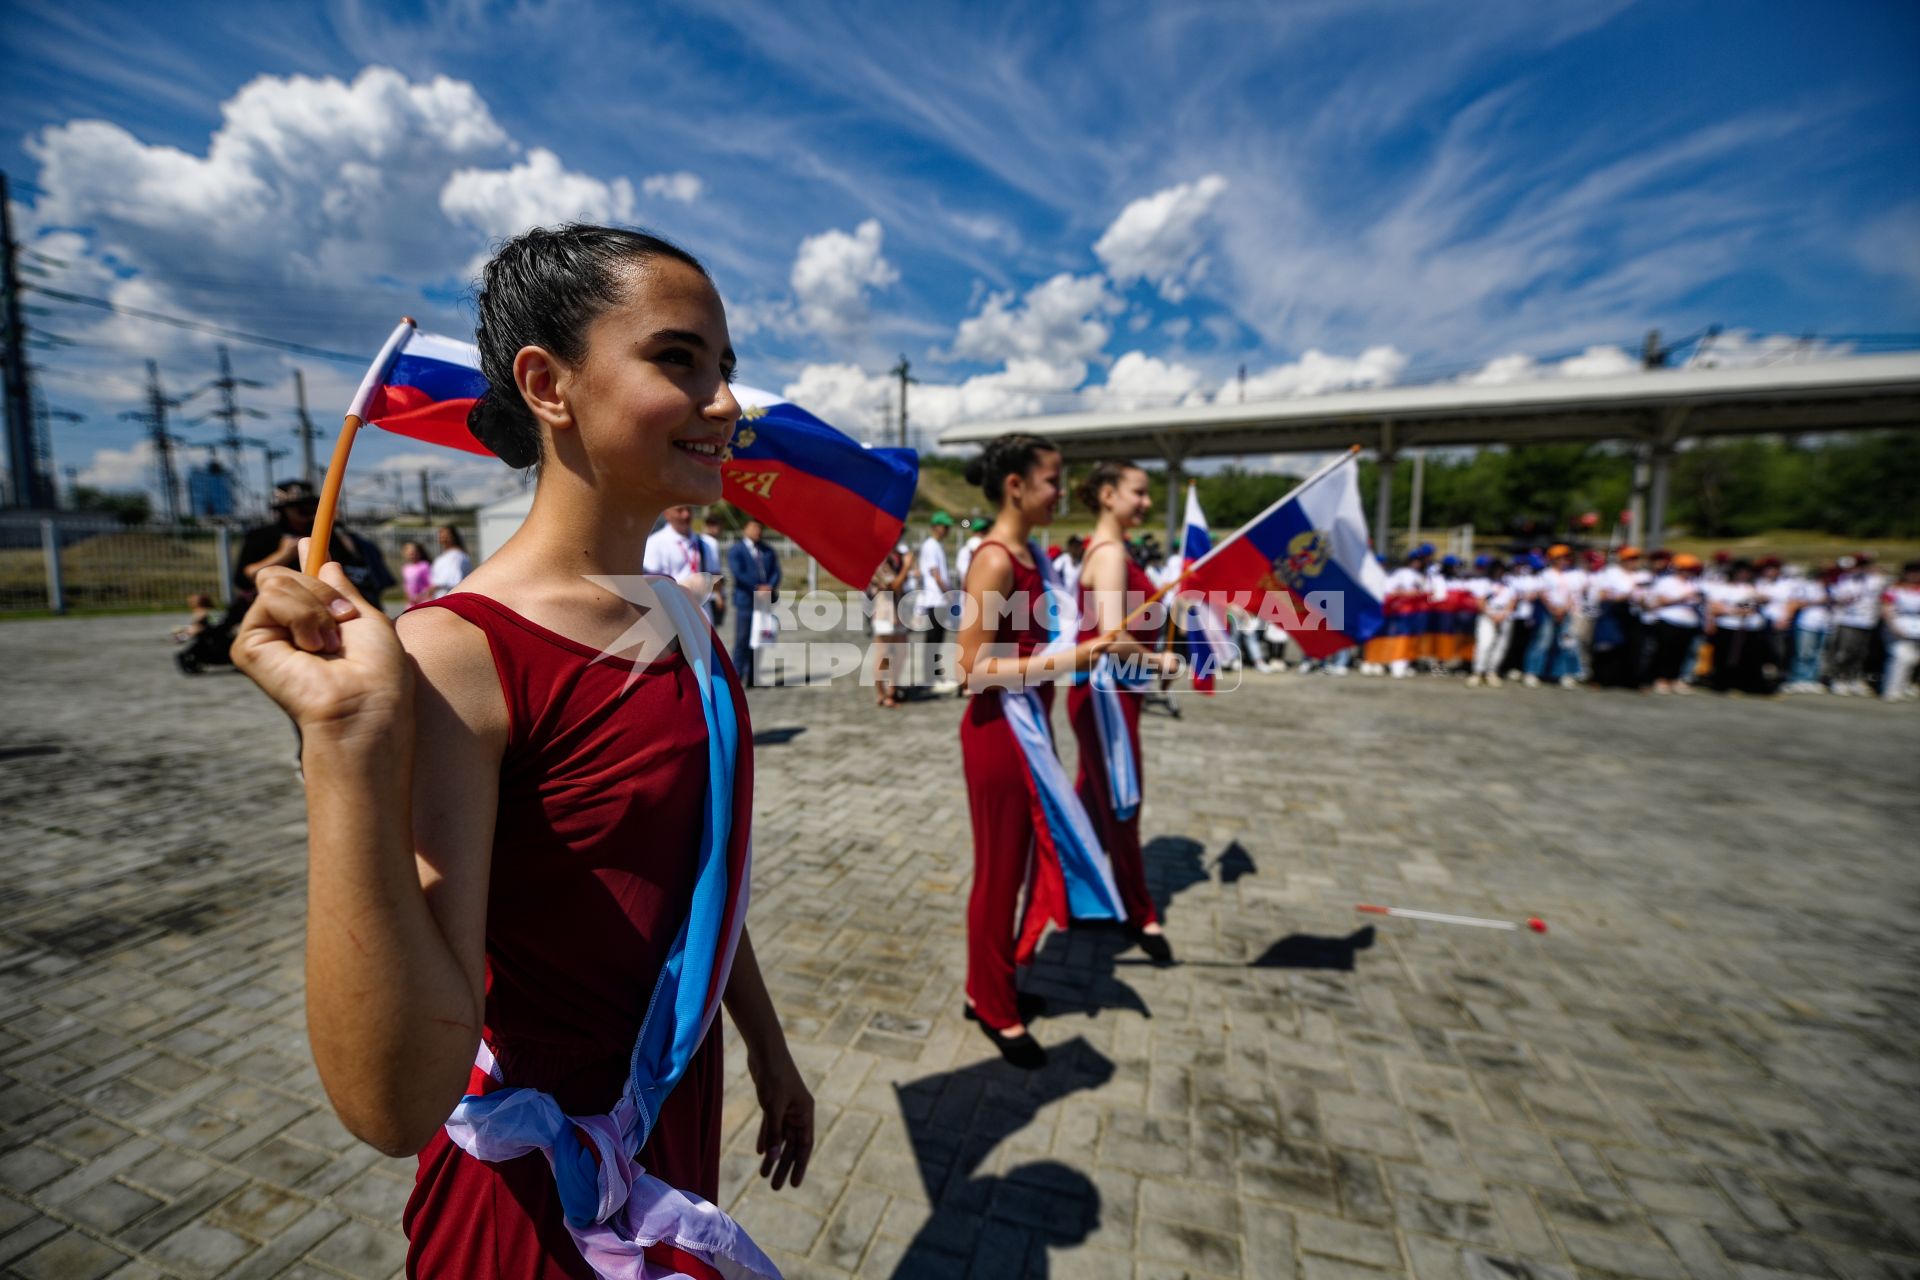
x: 1030, y: 1007
x: 1021, y: 1051
x: 1158, y: 949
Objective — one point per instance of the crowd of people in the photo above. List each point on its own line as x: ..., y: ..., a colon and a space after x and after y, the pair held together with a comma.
x: 1662, y: 622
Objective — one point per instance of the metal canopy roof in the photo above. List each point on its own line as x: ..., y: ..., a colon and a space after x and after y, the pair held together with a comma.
x: 1660, y: 406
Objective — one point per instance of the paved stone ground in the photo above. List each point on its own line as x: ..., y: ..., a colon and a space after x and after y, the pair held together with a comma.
x: 1709, y: 1068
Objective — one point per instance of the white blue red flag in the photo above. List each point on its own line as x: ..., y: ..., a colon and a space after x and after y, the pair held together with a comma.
x: 1206, y: 627
x: 1304, y: 563
x: 423, y: 386
x: 842, y: 502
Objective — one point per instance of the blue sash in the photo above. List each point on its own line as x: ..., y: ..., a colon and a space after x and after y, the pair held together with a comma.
x: 1084, y: 865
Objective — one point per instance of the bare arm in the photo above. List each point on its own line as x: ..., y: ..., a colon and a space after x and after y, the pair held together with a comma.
x: 990, y: 578
x: 396, y: 925
x: 785, y: 1141
x: 284, y: 554
x: 1105, y: 576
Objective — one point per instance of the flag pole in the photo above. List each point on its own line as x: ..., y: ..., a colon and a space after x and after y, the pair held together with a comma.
x: 1193, y: 568
x: 322, y: 538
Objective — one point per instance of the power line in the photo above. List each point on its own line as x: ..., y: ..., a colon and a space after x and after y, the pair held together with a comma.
x: 198, y: 326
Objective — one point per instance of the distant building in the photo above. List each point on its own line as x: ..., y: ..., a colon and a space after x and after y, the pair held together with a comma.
x: 209, y: 491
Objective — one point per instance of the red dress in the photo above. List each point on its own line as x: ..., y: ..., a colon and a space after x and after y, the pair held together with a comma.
x: 1122, y: 839
x: 1005, y: 815
x: 601, y: 794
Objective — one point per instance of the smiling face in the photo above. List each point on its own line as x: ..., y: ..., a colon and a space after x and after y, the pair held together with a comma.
x: 1130, y: 497
x: 1035, y: 494
x: 650, y: 399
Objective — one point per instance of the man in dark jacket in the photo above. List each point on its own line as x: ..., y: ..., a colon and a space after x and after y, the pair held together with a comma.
x: 754, y: 571
x: 278, y: 543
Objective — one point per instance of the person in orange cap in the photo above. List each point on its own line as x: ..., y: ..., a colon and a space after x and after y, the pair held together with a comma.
x: 1676, y: 600
x: 1551, y: 656
x: 1616, y: 626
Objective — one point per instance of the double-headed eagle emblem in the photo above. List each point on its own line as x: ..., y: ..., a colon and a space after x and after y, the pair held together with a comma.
x: 1306, y: 556
x: 744, y: 435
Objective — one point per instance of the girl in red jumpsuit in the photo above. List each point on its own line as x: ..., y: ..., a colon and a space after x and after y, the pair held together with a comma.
x: 1003, y: 629
x: 1111, y: 586
x: 505, y: 792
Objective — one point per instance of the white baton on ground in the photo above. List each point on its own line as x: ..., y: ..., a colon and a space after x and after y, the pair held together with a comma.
x: 1534, y: 923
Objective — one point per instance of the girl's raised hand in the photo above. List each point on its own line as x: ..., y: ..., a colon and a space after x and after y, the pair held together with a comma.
x: 331, y: 660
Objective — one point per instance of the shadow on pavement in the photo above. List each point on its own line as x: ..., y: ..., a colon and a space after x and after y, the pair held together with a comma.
x: 1295, y: 951
x: 996, y: 1224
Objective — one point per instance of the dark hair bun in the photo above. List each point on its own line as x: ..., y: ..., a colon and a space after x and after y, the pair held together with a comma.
x: 1106, y: 472
x: 508, y: 430
x: 1013, y: 454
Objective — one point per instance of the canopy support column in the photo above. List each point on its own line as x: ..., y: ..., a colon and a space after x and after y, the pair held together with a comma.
x: 1383, y: 500
x: 1176, y: 494
x: 1660, y: 465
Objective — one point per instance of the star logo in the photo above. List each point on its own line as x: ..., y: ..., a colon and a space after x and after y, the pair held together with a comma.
x: 652, y: 634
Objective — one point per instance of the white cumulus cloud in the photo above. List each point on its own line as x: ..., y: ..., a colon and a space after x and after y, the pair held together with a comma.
x: 1316, y: 373
x: 1594, y: 362
x: 122, y: 469
x: 832, y: 275
x: 1060, y: 323
x: 1157, y: 238
x: 1139, y: 381
x: 307, y: 182
x: 682, y: 186
x: 537, y: 192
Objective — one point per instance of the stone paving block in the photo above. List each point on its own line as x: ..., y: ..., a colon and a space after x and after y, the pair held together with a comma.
x: 1340, y: 1239
x: 68, y: 1256
x: 200, y: 1249
x: 361, y: 1250
x: 25, y: 1169
x: 111, y: 1208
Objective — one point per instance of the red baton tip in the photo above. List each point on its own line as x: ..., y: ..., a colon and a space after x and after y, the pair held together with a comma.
x: 1536, y: 924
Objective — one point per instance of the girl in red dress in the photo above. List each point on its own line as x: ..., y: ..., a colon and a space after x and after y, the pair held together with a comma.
x: 1111, y: 585
x: 505, y: 810
x: 1003, y: 629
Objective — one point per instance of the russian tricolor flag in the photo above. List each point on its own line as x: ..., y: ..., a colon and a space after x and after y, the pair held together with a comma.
x: 843, y: 503
x: 423, y: 386
x: 1310, y: 548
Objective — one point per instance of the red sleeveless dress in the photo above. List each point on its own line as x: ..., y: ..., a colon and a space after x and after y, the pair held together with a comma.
x: 1122, y: 839
x: 601, y: 794
x: 1006, y: 819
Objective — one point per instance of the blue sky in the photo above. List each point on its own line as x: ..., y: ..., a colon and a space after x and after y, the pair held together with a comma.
x: 1044, y: 207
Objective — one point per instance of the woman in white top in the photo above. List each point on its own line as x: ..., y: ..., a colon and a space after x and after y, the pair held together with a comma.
x: 1676, y: 600
x: 1900, y: 609
x: 1812, y: 619
x: 1740, y: 657
x: 451, y: 565
x: 1494, y: 627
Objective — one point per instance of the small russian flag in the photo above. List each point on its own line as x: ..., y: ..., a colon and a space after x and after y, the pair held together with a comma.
x: 423, y: 386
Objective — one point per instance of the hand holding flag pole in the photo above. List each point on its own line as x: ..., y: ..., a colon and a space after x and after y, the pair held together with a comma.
x: 322, y: 543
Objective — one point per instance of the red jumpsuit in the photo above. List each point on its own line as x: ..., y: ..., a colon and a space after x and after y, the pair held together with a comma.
x: 601, y: 795
x: 1007, y: 827
x: 1122, y: 839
